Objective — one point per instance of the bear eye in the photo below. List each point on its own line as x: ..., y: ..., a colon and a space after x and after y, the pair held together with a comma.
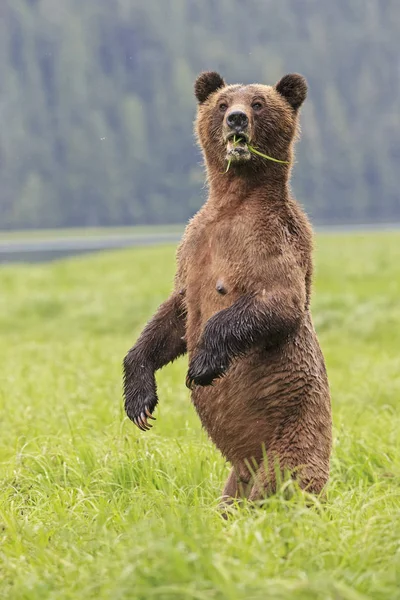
x: 223, y: 107
x: 256, y: 106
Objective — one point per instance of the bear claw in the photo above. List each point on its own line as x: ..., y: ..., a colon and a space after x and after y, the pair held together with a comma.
x: 148, y: 413
x: 189, y: 382
x: 141, y: 420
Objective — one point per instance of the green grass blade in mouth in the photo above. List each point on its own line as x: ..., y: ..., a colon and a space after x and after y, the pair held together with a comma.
x: 235, y: 143
x: 227, y: 167
x: 254, y: 151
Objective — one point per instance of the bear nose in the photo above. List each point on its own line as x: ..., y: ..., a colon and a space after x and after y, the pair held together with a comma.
x: 237, y: 119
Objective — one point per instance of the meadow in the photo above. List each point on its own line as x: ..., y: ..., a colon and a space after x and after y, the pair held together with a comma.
x: 92, y: 508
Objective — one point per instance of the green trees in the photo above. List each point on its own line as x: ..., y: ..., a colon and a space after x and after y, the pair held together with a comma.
x: 96, y: 104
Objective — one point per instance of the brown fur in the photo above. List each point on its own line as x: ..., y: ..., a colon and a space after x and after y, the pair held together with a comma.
x: 241, y: 306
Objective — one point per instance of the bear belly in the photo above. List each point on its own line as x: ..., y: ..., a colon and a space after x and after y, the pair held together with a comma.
x: 275, y: 398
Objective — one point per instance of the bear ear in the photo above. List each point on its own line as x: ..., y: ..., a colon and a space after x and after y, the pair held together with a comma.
x: 293, y: 88
x: 206, y: 84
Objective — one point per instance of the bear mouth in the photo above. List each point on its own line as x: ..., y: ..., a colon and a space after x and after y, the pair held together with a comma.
x: 236, y: 147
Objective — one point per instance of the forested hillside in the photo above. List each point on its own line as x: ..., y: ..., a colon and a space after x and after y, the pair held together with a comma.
x: 96, y: 104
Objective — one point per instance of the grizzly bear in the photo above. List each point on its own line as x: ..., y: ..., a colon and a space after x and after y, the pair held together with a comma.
x: 241, y: 303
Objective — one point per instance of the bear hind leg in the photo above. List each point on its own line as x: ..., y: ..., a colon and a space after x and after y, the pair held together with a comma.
x: 237, y: 486
x: 268, y: 480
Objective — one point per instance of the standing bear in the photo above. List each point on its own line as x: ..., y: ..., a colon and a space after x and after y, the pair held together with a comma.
x: 241, y: 301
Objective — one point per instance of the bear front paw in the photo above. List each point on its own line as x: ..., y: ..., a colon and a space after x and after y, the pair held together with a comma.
x: 204, y: 369
x: 140, y: 397
x: 140, y: 409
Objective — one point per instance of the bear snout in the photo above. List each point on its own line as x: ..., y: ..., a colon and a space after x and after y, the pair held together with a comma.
x: 237, y: 120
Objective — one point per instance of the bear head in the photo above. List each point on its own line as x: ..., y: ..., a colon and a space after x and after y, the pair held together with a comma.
x: 234, y: 122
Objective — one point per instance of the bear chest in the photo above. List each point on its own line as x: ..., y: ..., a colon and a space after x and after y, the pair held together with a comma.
x: 223, y: 265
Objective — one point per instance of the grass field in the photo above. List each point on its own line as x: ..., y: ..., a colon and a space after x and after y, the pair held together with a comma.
x: 91, y: 508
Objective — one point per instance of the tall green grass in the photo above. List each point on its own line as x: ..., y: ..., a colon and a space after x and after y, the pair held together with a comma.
x: 92, y: 508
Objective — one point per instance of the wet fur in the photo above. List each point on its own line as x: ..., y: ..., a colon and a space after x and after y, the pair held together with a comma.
x: 256, y: 370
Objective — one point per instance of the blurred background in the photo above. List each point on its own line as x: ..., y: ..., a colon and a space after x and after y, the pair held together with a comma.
x: 97, y: 105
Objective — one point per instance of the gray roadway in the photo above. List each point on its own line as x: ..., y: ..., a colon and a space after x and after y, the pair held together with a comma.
x: 34, y: 250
